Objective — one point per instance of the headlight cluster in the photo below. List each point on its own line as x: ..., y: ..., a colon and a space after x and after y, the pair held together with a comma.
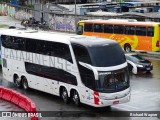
x: 139, y: 65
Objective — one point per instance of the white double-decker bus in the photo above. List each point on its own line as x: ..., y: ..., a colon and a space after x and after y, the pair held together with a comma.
x: 84, y: 69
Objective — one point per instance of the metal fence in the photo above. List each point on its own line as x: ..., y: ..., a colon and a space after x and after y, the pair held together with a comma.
x: 57, y: 22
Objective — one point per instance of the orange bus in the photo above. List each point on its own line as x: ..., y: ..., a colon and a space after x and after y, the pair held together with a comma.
x: 130, y: 34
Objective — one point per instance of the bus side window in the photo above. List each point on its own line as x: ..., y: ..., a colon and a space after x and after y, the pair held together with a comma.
x: 108, y: 28
x: 30, y: 45
x: 61, y: 50
x: 19, y: 43
x: 81, y: 54
x: 80, y: 30
x: 40, y: 47
x: 98, y: 28
x: 118, y: 29
x: 88, y: 27
x: 141, y: 31
x: 150, y: 31
x: 6, y: 41
x: 87, y: 75
x: 129, y: 30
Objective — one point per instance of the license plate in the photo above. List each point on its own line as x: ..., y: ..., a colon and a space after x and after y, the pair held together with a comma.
x: 116, y: 102
x: 148, y: 68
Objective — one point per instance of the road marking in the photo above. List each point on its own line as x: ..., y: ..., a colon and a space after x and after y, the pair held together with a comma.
x: 129, y: 107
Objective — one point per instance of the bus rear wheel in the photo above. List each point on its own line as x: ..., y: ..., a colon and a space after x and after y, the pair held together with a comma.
x: 17, y: 81
x: 127, y: 47
x: 64, y: 95
x: 25, y: 83
x: 76, y: 98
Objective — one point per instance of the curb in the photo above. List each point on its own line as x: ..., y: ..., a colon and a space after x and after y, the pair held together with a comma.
x: 18, y: 99
x: 148, y: 54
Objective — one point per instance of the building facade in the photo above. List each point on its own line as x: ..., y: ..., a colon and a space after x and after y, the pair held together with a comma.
x: 32, y: 2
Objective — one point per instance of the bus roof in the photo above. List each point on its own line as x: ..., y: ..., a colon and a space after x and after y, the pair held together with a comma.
x: 61, y: 37
x: 121, y: 22
x: 92, y: 41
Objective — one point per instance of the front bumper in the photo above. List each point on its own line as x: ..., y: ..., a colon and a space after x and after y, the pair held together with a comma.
x: 149, y: 68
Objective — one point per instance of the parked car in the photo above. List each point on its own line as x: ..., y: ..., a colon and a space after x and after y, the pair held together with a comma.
x: 136, y: 63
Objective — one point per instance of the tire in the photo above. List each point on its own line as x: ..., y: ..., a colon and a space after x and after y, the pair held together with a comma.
x: 75, y: 98
x: 64, y: 96
x: 25, y: 83
x: 17, y: 81
x: 148, y: 71
x: 127, y: 47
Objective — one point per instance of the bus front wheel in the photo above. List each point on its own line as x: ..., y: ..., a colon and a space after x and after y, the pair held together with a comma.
x: 127, y: 47
x: 25, y: 83
x: 64, y: 95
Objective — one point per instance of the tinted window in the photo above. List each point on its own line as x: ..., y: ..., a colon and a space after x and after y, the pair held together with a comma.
x: 18, y: 43
x: 50, y: 73
x: 108, y: 28
x: 141, y: 31
x: 150, y: 31
x: 88, y: 27
x: 30, y: 45
x: 107, y: 55
x: 6, y: 41
x: 40, y: 47
x: 114, y: 81
x: 49, y: 48
x: 118, y: 29
x: 55, y: 49
x: 87, y: 75
x: 98, y: 27
x: 129, y: 30
x: 81, y: 54
x: 135, y: 58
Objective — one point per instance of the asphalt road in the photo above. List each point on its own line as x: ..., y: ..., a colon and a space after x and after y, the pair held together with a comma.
x: 145, y: 96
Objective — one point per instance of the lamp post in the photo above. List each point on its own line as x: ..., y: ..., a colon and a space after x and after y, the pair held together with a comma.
x: 75, y: 3
x: 75, y: 14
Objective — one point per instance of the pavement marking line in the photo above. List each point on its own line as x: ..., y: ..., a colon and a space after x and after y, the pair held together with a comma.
x: 122, y: 108
x: 129, y: 106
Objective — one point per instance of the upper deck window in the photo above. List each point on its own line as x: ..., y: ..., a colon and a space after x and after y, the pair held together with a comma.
x: 81, y: 54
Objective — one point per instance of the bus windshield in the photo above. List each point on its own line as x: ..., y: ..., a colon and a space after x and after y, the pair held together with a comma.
x: 113, y: 81
x: 107, y: 55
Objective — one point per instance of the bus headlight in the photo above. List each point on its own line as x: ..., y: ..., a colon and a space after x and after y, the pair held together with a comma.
x: 139, y: 65
x: 100, y: 103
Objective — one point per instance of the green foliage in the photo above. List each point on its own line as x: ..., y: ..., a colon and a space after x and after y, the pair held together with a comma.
x: 29, y: 6
x: 3, y: 26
